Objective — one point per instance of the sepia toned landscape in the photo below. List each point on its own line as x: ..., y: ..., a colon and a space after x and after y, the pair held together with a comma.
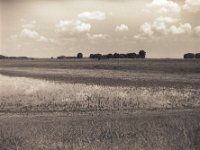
x: 99, y: 75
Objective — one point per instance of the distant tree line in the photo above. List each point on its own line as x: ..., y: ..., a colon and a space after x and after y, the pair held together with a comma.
x: 141, y: 54
x: 79, y: 56
x: 12, y: 57
x: 192, y: 56
x: 65, y: 57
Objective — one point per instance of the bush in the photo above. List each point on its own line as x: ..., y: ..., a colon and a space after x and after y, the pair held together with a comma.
x: 189, y: 56
x: 79, y: 55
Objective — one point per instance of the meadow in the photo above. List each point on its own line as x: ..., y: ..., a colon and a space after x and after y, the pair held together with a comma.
x: 106, y: 104
x: 21, y: 94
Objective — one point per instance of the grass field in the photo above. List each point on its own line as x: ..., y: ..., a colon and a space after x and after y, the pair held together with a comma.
x: 122, y: 72
x: 112, y: 130
x: 106, y: 104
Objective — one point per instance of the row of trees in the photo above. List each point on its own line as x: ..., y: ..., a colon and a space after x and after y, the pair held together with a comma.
x: 13, y: 57
x: 79, y: 56
x: 191, y: 56
x: 64, y: 57
x: 141, y: 54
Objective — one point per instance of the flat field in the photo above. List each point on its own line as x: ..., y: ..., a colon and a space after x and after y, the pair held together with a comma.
x: 106, y: 104
x: 112, y: 72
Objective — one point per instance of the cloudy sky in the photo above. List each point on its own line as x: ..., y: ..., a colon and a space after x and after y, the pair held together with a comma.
x: 45, y: 28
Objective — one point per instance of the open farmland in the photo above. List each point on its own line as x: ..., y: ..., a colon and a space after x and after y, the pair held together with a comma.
x: 106, y: 104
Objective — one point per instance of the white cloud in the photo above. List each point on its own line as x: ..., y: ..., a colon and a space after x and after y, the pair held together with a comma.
x: 94, y: 15
x: 164, y: 6
x: 163, y: 26
x: 31, y: 34
x: 76, y: 26
x: 146, y: 28
x: 181, y: 29
x: 121, y: 28
x: 97, y: 36
x: 158, y: 26
x: 28, y: 32
x: 192, y: 5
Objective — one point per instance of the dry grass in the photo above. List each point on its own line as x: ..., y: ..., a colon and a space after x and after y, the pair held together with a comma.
x: 23, y: 94
x: 142, y: 130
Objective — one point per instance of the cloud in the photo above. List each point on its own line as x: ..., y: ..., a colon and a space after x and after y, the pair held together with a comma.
x: 121, y: 28
x: 28, y: 32
x: 147, y: 29
x: 181, y: 29
x: 192, y: 5
x: 94, y: 15
x: 31, y: 34
x: 160, y: 24
x: 164, y: 6
x: 163, y: 26
x: 97, y: 36
x: 72, y: 27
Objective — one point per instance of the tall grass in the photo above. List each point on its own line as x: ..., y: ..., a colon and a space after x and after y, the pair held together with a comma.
x: 24, y: 94
x: 163, y: 131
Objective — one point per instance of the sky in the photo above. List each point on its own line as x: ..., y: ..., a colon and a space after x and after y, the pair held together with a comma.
x: 45, y: 28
